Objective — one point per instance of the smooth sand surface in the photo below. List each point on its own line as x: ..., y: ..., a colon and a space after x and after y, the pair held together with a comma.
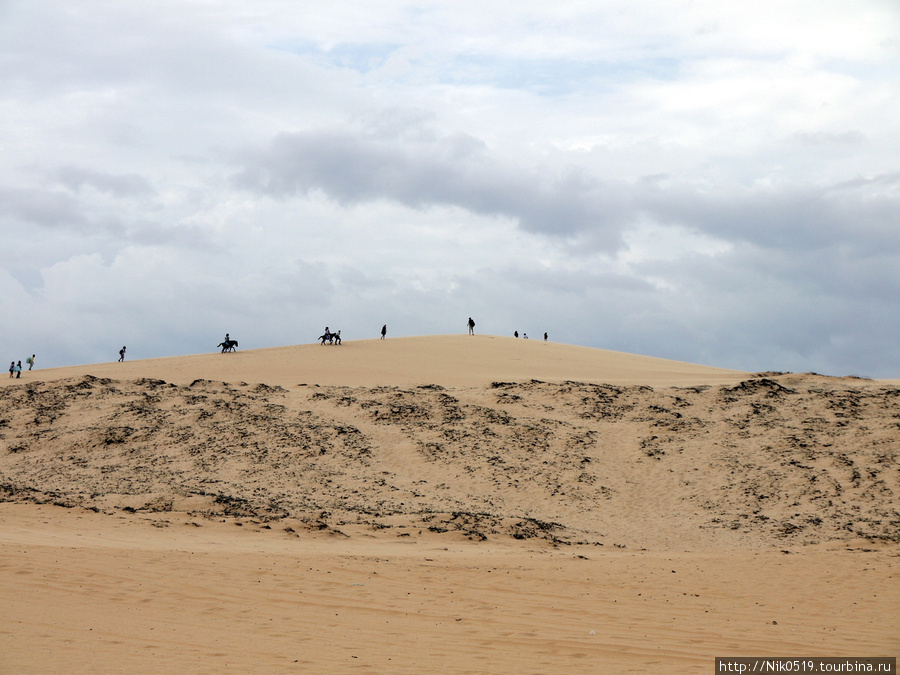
x: 442, y: 504
x: 450, y: 360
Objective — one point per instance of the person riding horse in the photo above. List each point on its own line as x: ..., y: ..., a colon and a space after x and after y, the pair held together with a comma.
x: 228, y: 345
x: 330, y: 338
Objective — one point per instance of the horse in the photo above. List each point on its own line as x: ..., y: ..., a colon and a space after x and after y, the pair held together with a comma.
x: 228, y: 346
x: 331, y: 338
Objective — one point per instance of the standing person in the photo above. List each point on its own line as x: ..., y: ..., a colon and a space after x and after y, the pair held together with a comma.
x: 12, y: 368
x: 383, y: 331
x: 471, y: 326
x: 515, y: 333
x: 18, y: 369
x: 122, y: 354
x: 30, y: 362
x: 545, y: 336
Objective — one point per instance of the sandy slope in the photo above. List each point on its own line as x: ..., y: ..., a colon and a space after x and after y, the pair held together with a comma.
x: 449, y: 360
x: 89, y: 593
x: 442, y: 504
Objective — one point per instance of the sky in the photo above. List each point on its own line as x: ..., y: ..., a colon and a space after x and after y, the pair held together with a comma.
x: 713, y: 182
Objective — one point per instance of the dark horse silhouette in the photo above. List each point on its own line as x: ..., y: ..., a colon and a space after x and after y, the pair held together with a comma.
x: 228, y: 346
x: 331, y: 338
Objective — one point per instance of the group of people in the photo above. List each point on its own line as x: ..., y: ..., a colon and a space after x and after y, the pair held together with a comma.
x: 471, y: 325
x: 330, y: 338
x: 228, y: 344
x: 525, y: 335
x: 15, y: 368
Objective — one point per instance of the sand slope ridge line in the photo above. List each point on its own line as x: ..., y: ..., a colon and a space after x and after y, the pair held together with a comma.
x: 451, y: 360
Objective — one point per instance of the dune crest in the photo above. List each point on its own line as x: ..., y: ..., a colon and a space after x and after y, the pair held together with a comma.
x: 448, y: 360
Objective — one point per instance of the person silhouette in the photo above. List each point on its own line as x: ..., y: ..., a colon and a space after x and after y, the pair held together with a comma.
x: 122, y: 354
x: 471, y: 326
x: 383, y: 331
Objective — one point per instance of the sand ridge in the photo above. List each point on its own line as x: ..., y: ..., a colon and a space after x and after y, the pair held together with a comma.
x: 448, y: 360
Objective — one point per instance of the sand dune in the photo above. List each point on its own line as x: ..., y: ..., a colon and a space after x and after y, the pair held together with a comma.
x: 451, y: 503
x: 449, y: 360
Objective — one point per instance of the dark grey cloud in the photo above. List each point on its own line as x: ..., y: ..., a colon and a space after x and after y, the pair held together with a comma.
x: 99, y: 230
x: 797, y: 218
x: 889, y: 180
x: 459, y: 170
x: 45, y: 208
x: 757, y: 309
x: 821, y: 138
x: 117, y: 185
x: 455, y: 170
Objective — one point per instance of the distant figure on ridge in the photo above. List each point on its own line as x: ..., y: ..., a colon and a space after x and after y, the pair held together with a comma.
x: 228, y: 345
x: 545, y: 336
x: 122, y: 354
x: 330, y: 338
x: 30, y: 362
x: 471, y: 326
x: 12, y: 368
x: 516, y: 334
x: 18, y: 369
x: 383, y: 331
x: 524, y: 336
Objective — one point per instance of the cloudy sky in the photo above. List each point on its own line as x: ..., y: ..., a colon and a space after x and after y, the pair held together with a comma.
x: 715, y: 182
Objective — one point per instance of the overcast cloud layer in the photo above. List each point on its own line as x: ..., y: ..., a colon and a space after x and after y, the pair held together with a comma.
x: 715, y: 182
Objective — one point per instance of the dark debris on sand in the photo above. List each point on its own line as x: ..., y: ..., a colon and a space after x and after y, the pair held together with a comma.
x: 779, y: 456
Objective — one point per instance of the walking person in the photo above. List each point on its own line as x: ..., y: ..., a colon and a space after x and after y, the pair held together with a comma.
x: 471, y: 326
x: 122, y: 354
x: 18, y: 369
x: 12, y: 368
x: 30, y: 362
x: 383, y: 331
